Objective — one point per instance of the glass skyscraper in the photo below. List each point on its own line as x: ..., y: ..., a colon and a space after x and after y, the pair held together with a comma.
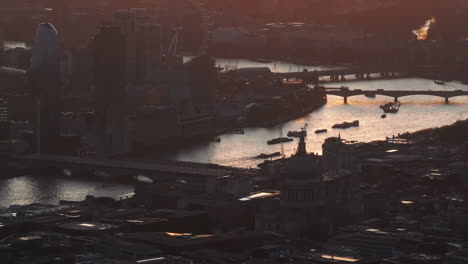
x: 44, y: 77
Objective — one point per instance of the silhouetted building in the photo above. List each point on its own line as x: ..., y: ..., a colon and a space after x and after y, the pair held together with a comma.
x: 203, y: 80
x: 457, y: 257
x: 81, y: 78
x: 44, y: 79
x: 4, y: 126
x: 109, y: 49
x: 465, y: 201
x: 148, y: 51
x: 339, y: 154
x: 109, y: 77
x: 126, y: 21
x: 466, y: 154
x: 312, y: 201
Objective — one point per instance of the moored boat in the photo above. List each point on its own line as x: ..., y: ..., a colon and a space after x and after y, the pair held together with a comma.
x: 318, y: 131
x: 296, y: 133
x: 345, y: 125
x: 279, y: 140
x: 266, y: 156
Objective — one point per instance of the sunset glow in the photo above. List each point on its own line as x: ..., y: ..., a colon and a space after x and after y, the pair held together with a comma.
x: 187, y: 131
x: 423, y: 31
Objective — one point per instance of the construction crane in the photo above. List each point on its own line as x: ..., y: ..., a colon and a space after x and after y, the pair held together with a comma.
x: 171, y: 51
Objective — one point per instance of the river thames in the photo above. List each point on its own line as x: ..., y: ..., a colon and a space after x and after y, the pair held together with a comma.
x: 416, y: 113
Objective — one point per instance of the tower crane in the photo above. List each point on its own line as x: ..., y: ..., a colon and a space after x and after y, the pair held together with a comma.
x: 171, y: 51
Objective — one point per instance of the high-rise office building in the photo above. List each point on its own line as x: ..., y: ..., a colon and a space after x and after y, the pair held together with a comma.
x: 5, y: 136
x: 148, y: 51
x: 45, y: 83
x: 126, y: 21
x: 142, y: 42
x: 109, y: 68
x: 203, y: 80
x: 108, y: 52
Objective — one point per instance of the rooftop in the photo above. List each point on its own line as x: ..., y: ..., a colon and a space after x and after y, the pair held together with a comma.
x: 12, y: 72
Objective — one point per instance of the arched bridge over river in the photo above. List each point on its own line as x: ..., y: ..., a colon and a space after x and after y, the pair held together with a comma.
x: 346, y: 93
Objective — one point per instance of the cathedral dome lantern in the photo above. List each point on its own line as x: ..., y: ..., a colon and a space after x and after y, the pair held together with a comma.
x: 303, y: 167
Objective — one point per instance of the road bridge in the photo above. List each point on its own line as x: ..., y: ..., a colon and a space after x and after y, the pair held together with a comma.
x: 346, y: 93
x: 122, y: 167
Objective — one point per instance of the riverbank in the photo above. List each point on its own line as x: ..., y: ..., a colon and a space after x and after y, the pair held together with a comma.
x: 454, y: 133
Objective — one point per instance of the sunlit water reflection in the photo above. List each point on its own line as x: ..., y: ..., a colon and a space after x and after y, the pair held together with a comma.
x: 50, y: 190
x: 416, y: 113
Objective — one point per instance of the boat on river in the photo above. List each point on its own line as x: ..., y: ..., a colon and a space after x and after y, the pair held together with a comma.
x: 297, y: 133
x: 345, y: 125
x: 279, y: 140
x: 391, y: 107
x: 383, y: 116
x: 319, y: 131
x: 267, y: 156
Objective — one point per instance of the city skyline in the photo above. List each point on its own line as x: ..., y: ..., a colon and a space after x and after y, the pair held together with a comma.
x: 233, y: 131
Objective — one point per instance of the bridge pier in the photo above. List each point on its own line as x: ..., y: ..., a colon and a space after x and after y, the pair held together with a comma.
x: 343, y: 78
x: 345, y: 100
x: 368, y: 76
x: 395, y: 99
x: 447, y: 100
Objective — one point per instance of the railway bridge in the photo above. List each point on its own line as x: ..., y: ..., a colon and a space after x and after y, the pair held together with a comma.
x: 360, y: 73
